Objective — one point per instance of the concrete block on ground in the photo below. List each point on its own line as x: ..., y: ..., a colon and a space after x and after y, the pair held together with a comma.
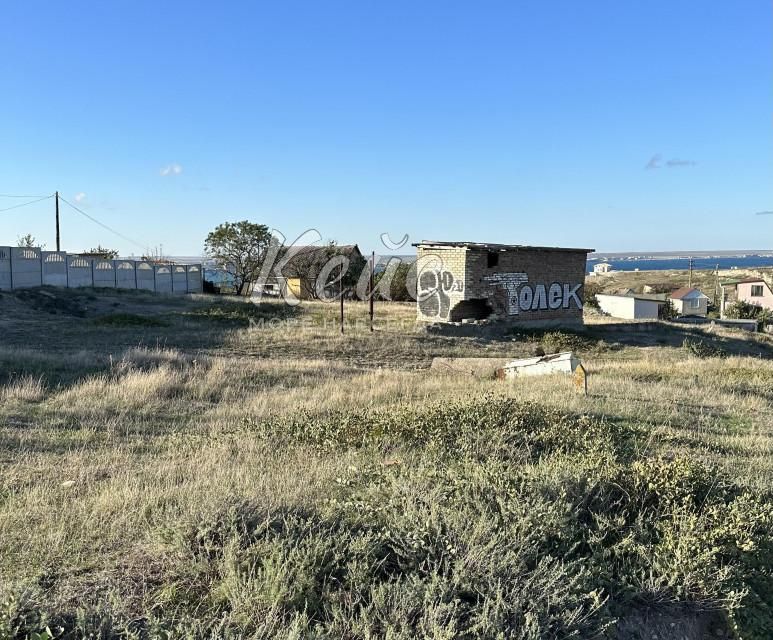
x: 565, y: 362
x: 476, y: 367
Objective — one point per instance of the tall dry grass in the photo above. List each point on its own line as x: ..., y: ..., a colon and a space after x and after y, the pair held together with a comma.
x: 110, y: 457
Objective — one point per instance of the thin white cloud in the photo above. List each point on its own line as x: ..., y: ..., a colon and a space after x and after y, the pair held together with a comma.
x: 677, y: 162
x: 173, y: 169
x: 80, y: 197
x: 655, y: 162
x: 764, y: 213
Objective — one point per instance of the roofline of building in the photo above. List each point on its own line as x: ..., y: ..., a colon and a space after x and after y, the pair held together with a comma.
x: 636, y: 297
x: 686, y: 291
x: 486, y: 246
x: 731, y: 283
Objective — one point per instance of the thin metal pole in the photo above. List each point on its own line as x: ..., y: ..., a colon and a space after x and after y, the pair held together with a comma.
x: 372, y: 267
x: 341, y: 296
x: 58, y: 237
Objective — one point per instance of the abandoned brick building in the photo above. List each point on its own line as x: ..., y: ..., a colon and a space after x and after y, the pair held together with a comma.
x: 462, y: 281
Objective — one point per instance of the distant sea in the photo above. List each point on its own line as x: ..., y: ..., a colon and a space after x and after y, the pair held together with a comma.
x: 661, y: 264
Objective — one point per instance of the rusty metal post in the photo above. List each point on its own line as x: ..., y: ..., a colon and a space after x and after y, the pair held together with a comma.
x: 341, y: 296
x: 372, y: 269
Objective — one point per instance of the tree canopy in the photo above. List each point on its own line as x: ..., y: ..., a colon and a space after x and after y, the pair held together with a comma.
x: 239, y: 248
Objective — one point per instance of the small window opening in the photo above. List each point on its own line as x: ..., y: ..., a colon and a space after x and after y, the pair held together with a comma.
x: 493, y: 259
x: 756, y: 290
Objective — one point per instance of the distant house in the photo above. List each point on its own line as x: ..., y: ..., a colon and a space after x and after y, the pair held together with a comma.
x: 601, y: 268
x: 755, y: 291
x: 689, y: 301
x: 631, y: 307
x: 300, y: 275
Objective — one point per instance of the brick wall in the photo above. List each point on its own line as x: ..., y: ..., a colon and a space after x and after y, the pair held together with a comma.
x: 520, y: 285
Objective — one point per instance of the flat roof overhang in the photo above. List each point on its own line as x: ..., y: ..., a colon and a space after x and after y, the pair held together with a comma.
x: 487, y: 246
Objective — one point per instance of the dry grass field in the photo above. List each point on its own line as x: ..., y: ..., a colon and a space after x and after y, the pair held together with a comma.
x: 204, y: 467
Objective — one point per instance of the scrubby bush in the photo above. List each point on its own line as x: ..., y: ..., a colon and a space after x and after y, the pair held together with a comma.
x: 491, y: 519
x: 702, y: 348
x: 589, y: 291
x: 745, y: 311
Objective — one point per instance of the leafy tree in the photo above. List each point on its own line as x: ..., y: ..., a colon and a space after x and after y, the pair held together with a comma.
x: 402, y: 282
x: 28, y: 242
x: 101, y: 252
x: 667, y: 310
x: 239, y: 248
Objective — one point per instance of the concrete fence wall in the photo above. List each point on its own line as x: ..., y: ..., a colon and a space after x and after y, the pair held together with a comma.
x: 22, y: 268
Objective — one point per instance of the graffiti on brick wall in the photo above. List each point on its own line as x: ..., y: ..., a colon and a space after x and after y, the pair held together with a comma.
x: 522, y: 296
x: 434, y: 287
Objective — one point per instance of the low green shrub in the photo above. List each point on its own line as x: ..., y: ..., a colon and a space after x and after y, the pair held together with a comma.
x: 557, y: 340
x: 239, y: 313
x: 118, y: 320
x: 492, y: 426
x: 702, y: 348
x: 493, y: 519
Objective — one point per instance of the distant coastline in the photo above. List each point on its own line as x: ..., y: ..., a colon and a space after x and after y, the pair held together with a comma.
x: 678, y: 255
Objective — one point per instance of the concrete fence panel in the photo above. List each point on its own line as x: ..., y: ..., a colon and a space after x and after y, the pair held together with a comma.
x: 195, y: 279
x: 146, y: 276
x: 179, y: 279
x: 163, y: 278
x: 104, y: 273
x: 26, y: 268
x: 125, y: 274
x: 5, y: 269
x: 79, y: 272
x: 54, y: 268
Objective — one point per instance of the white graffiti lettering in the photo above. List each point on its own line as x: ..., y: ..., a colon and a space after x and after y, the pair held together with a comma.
x: 522, y: 296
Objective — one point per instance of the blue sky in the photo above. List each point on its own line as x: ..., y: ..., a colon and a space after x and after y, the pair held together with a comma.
x: 521, y: 122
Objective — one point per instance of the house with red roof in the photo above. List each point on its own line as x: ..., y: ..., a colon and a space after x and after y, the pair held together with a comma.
x: 689, y: 301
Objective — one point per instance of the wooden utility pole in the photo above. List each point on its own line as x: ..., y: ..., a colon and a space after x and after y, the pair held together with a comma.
x: 689, y: 278
x: 370, y: 297
x: 58, y: 237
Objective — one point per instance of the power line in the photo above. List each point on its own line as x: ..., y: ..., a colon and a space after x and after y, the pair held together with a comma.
x: 24, y: 204
x: 10, y: 195
x: 104, y: 226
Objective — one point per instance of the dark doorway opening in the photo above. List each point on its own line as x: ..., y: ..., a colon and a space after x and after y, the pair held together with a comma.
x: 475, y: 309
